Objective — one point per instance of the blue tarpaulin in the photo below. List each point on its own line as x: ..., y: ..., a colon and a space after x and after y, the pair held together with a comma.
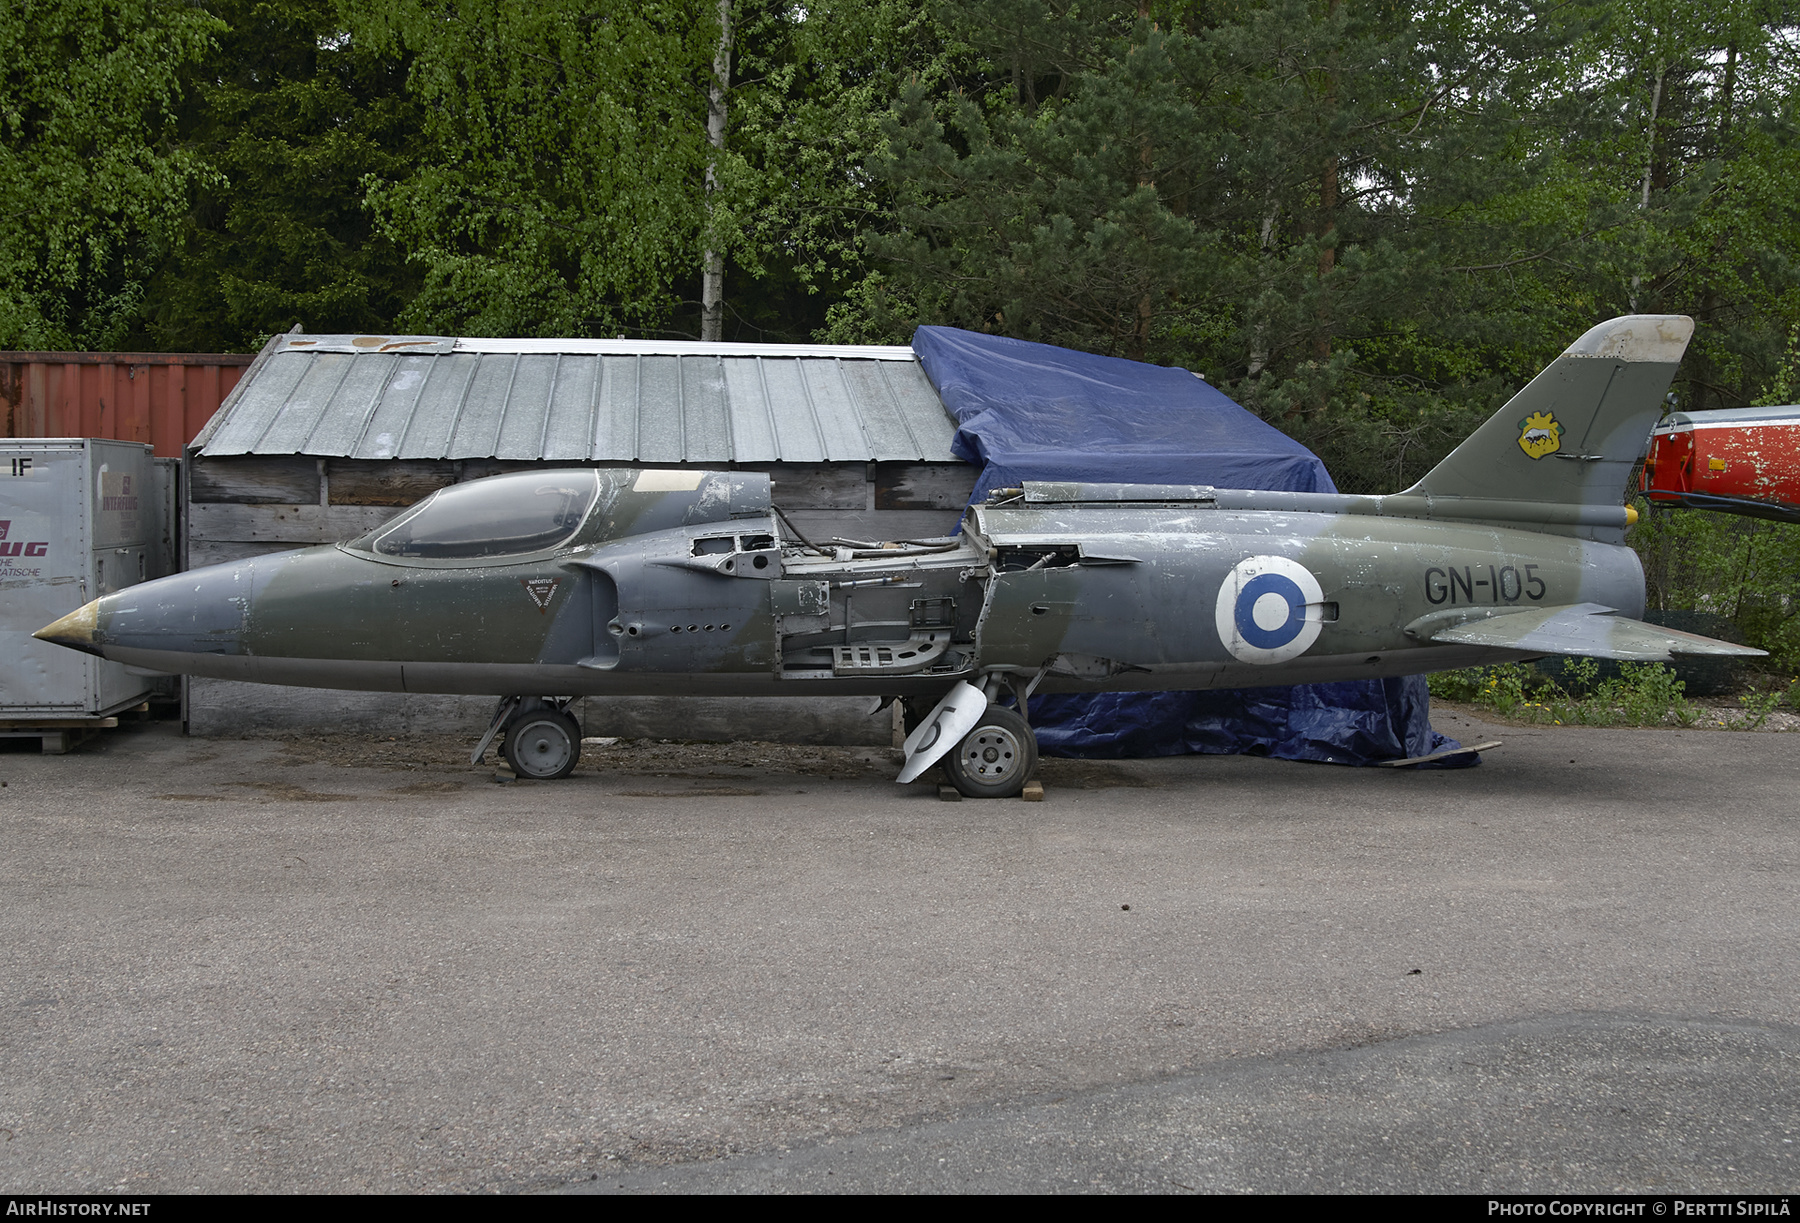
x: 1356, y: 722
x: 1029, y: 411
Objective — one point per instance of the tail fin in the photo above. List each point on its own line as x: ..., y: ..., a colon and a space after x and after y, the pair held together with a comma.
x: 1573, y: 434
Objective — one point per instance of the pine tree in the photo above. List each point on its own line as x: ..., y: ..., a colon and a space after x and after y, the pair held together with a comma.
x: 291, y: 114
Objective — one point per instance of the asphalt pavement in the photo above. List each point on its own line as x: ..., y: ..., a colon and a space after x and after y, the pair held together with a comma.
x: 232, y: 965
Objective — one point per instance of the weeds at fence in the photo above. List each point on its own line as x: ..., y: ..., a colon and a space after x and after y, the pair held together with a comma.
x: 1644, y: 694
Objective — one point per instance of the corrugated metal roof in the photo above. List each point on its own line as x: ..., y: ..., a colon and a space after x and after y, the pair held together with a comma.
x: 433, y: 397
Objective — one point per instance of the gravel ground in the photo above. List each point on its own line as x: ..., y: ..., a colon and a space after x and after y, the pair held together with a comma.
x: 325, y: 963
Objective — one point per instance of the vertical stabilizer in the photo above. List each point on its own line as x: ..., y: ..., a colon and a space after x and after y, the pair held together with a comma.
x: 1574, y: 433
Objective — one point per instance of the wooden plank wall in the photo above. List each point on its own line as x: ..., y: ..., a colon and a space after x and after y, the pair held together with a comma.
x: 248, y: 505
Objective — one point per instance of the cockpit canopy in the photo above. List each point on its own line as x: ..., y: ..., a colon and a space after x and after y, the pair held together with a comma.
x: 509, y: 515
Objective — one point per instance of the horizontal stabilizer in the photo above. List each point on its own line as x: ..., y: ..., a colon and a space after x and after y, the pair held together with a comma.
x: 1586, y: 629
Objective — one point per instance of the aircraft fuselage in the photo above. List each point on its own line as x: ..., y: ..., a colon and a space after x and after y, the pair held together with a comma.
x: 1185, y: 592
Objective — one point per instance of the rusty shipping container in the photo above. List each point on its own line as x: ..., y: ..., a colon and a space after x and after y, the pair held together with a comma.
x: 163, y: 399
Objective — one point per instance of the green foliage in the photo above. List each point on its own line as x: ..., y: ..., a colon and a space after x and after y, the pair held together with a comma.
x: 1500, y: 688
x: 292, y: 114
x: 811, y: 90
x: 1369, y: 223
x: 1743, y: 568
x: 1298, y: 202
x: 1644, y: 694
x: 93, y: 188
x: 1757, y: 706
x: 1647, y: 694
x: 557, y: 189
x: 1063, y: 202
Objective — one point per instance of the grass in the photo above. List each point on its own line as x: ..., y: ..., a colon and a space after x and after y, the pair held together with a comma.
x: 1644, y: 694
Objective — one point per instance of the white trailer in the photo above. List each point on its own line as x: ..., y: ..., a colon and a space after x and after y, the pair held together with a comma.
x: 79, y: 518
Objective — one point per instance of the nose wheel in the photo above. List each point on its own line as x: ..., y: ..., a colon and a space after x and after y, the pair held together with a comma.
x: 543, y: 745
x: 996, y: 758
x: 538, y: 737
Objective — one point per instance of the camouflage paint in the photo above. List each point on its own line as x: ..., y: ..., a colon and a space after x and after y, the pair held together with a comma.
x: 682, y: 582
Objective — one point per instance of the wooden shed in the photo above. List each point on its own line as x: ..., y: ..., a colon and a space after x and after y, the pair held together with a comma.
x: 329, y: 436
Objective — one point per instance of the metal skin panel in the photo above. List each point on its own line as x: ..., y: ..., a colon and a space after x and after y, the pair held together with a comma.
x: 797, y: 429
x: 1573, y: 434
x: 569, y: 424
x: 122, y: 507
x: 521, y: 431
x: 684, y: 581
x: 671, y: 616
x: 327, y: 377
x: 1151, y: 623
x: 484, y: 408
x: 624, y: 616
x: 478, y: 615
x: 123, y: 514
x: 334, y: 418
x: 615, y: 409
x: 429, y: 428
x: 918, y: 405
x: 1581, y: 628
x: 43, y: 571
x: 380, y: 436
x: 256, y: 403
x: 753, y: 425
x: 661, y: 416
x: 889, y: 432
x: 340, y: 422
x: 834, y: 408
x: 706, y: 415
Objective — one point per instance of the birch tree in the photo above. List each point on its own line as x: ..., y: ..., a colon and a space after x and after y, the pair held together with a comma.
x: 92, y: 186
x: 559, y: 190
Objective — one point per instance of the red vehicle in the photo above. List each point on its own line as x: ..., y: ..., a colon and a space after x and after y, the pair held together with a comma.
x: 1739, y: 460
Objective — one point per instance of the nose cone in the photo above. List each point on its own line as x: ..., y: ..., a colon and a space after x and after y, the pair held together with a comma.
x: 155, y: 624
x: 75, y: 630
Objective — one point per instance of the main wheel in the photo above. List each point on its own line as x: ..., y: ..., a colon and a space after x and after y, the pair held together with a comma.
x: 995, y: 759
x: 543, y: 745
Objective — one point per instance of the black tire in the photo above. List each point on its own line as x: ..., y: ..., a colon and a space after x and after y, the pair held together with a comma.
x: 542, y: 745
x: 995, y: 759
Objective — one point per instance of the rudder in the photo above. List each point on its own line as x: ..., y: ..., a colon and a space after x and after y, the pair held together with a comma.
x: 1573, y: 434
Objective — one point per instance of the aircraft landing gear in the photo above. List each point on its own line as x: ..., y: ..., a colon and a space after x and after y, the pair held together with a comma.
x: 995, y: 759
x: 543, y: 745
x: 986, y: 751
x: 540, y: 740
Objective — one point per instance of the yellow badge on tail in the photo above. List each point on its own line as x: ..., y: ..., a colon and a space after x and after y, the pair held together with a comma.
x: 1540, y: 434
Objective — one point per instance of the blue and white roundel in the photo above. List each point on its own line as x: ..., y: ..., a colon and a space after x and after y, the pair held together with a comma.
x: 1262, y: 615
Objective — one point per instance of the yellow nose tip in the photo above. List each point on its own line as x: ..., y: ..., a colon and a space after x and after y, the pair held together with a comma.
x: 1631, y: 515
x: 75, y: 630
